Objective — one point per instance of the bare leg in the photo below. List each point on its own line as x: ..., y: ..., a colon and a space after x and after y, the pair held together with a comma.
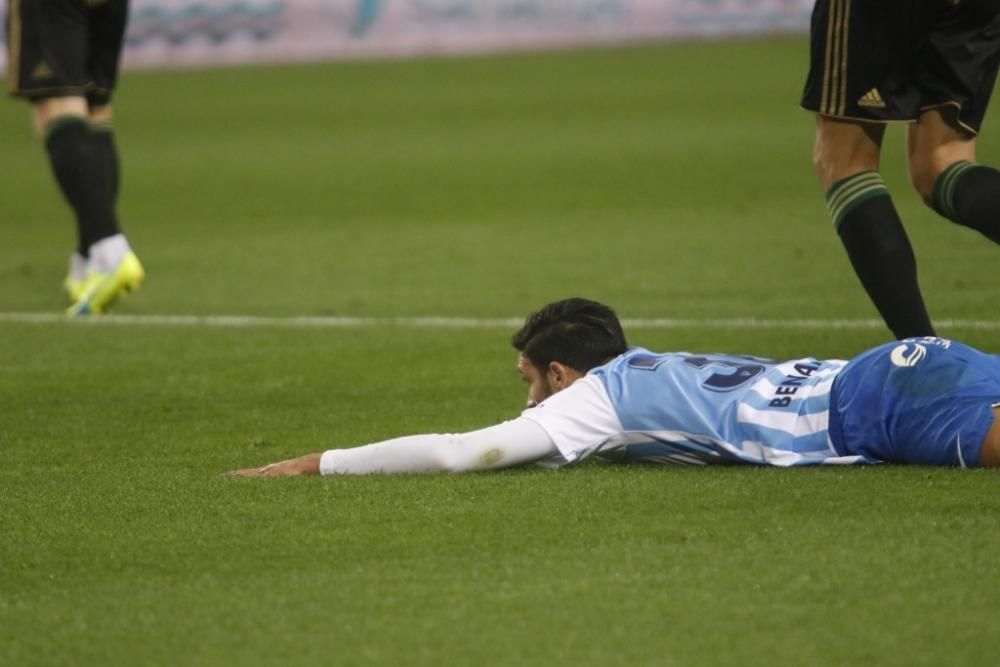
x: 46, y: 110
x: 844, y: 148
x: 933, y: 143
x: 100, y: 115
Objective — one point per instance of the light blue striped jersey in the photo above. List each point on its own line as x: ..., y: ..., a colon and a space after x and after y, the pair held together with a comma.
x: 697, y: 408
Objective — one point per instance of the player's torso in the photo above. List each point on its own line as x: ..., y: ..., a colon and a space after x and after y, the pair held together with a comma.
x: 701, y: 408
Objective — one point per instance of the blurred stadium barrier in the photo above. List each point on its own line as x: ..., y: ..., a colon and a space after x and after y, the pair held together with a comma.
x: 208, y: 32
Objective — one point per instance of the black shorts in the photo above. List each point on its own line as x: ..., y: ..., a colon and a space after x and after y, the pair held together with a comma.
x: 59, y: 48
x: 881, y: 60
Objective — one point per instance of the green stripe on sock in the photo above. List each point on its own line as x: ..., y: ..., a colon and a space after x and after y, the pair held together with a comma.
x: 845, y: 190
x: 845, y: 195
x: 943, y: 195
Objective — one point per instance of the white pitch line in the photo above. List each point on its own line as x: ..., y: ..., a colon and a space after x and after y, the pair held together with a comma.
x: 260, y: 321
x: 441, y: 322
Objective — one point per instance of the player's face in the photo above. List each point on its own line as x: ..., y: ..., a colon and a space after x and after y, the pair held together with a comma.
x: 538, y: 385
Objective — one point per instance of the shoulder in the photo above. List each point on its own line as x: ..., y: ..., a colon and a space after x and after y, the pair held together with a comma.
x: 585, y: 405
x: 578, y: 419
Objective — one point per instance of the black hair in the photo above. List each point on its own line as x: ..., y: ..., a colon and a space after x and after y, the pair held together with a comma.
x: 579, y: 333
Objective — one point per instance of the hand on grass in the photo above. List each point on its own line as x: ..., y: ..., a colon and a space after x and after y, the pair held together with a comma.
x: 303, y: 465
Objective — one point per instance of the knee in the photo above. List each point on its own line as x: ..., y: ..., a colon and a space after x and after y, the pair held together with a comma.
x: 839, y: 154
x: 829, y: 164
x: 44, y: 111
x: 924, y: 171
x: 825, y: 161
x: 935, y: 142
x: 821, y: 161
x: 100, y: 115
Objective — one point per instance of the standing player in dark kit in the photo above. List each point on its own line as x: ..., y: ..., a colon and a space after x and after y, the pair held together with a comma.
x: 63, y: 58
x: 932, y: 62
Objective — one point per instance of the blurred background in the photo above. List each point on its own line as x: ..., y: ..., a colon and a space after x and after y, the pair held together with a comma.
x: 211, y: 32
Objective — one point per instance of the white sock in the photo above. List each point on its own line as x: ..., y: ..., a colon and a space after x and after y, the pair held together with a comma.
x: 77, y: 266
x: 108, y: 253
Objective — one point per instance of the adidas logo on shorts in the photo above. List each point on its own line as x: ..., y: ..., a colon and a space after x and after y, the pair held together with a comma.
x: 42, y: 72
x: 872, y: 99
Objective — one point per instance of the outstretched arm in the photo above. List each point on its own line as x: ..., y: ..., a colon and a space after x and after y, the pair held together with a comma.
x: 511, y: 443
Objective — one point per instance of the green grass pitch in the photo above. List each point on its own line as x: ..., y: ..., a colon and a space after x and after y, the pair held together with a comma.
x: 669, y: 181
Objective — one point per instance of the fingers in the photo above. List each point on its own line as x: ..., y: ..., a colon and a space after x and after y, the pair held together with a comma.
x: 278, y: 469
x: 245, y: 472
x: 304, y: 465
x: 249, y: 472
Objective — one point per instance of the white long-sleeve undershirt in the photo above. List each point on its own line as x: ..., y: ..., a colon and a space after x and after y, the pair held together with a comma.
x: 511, y: 443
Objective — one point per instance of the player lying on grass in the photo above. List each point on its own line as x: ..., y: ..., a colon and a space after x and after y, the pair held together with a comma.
x: 928, y: 401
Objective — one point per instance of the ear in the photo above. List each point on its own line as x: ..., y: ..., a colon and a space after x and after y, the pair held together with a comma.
x: 561, y: 376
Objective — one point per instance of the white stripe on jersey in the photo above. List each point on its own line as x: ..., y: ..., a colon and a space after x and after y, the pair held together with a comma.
x: 785, y: 458
x: 694, y: 449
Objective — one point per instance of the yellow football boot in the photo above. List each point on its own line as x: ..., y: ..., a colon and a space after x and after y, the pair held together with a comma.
x: 76, y: 272
x: 73, y: 287
x: 99, y: 290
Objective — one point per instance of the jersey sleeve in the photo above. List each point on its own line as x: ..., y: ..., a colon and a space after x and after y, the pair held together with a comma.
x: 512, y: 443
x: 579, y: 419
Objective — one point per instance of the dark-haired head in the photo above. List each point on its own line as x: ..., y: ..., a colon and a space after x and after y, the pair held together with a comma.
x: 567, y: 337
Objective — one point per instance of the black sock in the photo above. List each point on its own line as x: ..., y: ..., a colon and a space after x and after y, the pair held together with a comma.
x: 969, y: 194
x: 84, y: 177
x: 105, y: 141
x: 880, y: 251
